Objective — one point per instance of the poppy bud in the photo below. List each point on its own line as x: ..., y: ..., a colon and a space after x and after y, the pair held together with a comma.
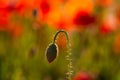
x: 51, y: 52
x: 35, y: 12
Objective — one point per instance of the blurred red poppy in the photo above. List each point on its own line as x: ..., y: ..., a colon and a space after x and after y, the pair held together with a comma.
x: 82, y: 76
x: 104, y: 28
x: 108, y: 25
x: 18, y: 7
x: 4, y: 18
x: 14, y: 7
x: 3, y: 24
x: 62, y: 24
x: 83, y: 18
x: 45, y: 7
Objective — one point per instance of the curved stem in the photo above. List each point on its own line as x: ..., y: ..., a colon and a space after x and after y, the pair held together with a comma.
x: 61, y: 31
x: 69, y: 73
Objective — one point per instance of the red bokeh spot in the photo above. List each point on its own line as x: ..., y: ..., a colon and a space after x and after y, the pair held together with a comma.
x: 82, y: 76
x: 14, y: 7
x: 83, y: 18
x: 105, y: 29
x: 45, y: 7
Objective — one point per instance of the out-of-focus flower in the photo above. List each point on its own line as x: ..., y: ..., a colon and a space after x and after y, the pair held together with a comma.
x: 44, y: 7
x: 109, y: 24
x: 73, y: 9
x: 31, y: 4
x: 6, y: 11
x: 116, y: 44
x: 83, y: 76
x: 83, y: 18
x: 63, y: 23
x: 3, y: 23
x: 105, y: 29
x: 4, y: 20
x: 35, y: 13
x: 61, y: 15
x: 12, y: 7
x: 33, y: 51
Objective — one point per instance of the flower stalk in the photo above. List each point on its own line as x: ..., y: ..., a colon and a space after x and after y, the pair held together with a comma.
x: 69, y: 70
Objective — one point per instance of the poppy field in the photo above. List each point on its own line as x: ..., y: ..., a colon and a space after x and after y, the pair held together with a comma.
x: 59, y: 39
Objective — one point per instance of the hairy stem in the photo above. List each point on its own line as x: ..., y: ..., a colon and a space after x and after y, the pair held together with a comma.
x: 69, y: 73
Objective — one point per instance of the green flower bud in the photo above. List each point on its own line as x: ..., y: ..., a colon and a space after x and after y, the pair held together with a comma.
x: 51, y: 52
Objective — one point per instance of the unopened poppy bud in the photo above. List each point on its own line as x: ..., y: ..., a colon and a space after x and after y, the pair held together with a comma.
x: 35, y: 12
x: 33, y: 51
x: 51, y: 52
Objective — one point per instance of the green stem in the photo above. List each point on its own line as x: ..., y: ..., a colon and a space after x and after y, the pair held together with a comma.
x: 69, y: 73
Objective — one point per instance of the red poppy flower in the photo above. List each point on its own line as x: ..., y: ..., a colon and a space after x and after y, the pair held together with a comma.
x: 5, y: 13
x: 45, y: 7
x: 105, y: 29
x: 62, y: 24
x: 3, y: 24
x: 83, y: 18
x: 12, y: 7
x: 82, y: 76
x: 4, y: 19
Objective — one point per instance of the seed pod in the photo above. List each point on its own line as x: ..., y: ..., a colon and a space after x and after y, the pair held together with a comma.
x: 51, y: 52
